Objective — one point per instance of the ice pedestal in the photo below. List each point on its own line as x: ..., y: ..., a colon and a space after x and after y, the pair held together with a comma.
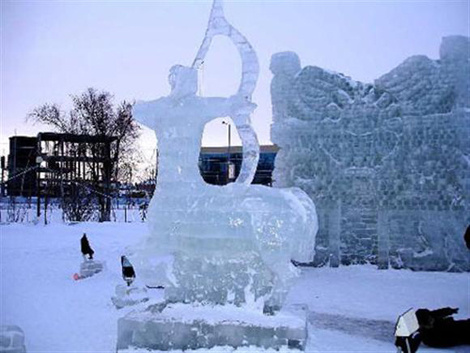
x: 12, y: 339
x: 89, y: 268
x: 186, y: 326
x: 129, y: 296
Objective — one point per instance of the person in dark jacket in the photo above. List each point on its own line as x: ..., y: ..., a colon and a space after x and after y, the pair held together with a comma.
x: 408, y: 344
x: 437, y: 328
x: 86, y: 248
x: 434, y: 328
x: 466, y: 237
x: 128, y: 273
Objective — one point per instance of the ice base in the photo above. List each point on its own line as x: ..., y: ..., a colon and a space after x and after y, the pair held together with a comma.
x: 89, y: 268
x: 184, y: 326
x: 12, y: 339
x: 129, y: 296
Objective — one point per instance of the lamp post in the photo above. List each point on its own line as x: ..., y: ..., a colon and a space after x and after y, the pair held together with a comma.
x: 39, y: 160
x: 228, y: 148
x: 2, y: 162
x: 229, y: 138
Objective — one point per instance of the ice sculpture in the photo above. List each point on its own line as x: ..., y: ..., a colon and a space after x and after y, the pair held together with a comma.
x: 232, y: 244
x: 230, y: 247
x: 387, y: 164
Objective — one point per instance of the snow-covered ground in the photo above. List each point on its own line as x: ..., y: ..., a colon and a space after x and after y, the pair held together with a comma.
x: 352, y: 309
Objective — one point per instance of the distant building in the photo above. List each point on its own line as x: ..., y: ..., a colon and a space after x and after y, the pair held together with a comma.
x: 21, y: 163
x: 52, y: 162
x: 218, y: 168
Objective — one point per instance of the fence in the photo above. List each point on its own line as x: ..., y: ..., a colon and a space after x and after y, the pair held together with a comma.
x: 24, y: 210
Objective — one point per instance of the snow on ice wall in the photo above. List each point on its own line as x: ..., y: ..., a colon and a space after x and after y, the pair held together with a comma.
x: 387, y: 164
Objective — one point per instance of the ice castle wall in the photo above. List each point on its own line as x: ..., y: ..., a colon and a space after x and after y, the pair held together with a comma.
x: 387, y: 164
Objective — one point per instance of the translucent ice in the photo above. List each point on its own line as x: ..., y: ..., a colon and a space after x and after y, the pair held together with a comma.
x: 218, y: 25
x: 386, y: 163
x: 231, y: 244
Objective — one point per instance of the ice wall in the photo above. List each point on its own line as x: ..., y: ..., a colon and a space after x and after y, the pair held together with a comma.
x: 387, y: 164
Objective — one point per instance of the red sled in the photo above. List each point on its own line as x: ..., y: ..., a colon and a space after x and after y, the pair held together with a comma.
x: 76, y: 276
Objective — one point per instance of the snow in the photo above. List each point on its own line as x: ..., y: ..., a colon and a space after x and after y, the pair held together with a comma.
x: 352, y: 309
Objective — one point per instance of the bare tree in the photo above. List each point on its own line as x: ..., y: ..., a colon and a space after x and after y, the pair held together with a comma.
x: 80, y: 204
x: 93, y: 113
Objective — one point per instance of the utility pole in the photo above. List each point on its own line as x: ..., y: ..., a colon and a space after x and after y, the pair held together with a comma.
x: 39, y: 160
x: 3, y: 176
x: 38, y: 186
x: 38, y: 200
x: 45, y: 208
x: 228, y: 149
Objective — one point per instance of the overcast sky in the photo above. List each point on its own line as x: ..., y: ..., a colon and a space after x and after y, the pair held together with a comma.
x: 51, y: 49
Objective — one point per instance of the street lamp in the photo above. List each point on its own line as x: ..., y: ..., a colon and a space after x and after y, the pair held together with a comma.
x: 229, y: 138
x: 39, y: 160
x: 230, y: 168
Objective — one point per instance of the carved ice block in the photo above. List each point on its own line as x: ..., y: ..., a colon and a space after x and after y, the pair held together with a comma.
x: 182, y: 326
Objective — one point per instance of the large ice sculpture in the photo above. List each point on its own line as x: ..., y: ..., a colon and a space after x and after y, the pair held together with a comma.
x: 230, y: 247
x: 232, y: 244
x: 387, y: 163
